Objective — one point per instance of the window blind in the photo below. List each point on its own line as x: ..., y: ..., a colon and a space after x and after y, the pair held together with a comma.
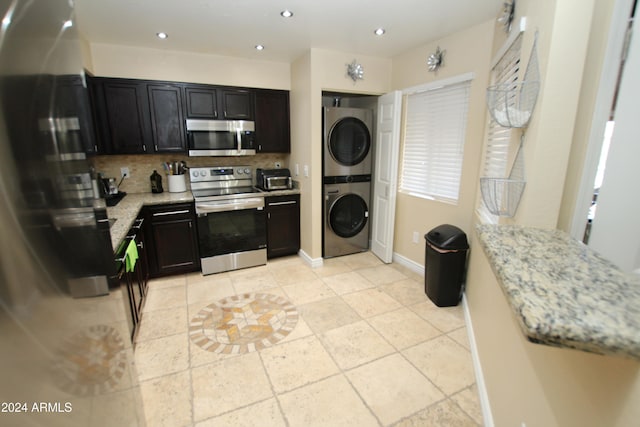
x: 435, y: 127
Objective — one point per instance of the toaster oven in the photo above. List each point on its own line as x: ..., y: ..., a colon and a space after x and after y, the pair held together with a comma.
x: 273, y: 179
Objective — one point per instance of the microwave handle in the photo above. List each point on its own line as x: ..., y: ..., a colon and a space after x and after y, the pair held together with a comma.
x: 239, y: 139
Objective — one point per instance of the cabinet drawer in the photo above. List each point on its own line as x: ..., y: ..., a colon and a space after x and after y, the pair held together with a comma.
x: 175, y: 212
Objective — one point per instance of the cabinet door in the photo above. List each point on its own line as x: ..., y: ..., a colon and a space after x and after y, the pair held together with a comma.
x: 126, y: 112
x: 174, y: 246
x: 167, y: 123
x: 237, y: 104
x: 272, y: 121
x: 73, y: 101
x: 171, y: 239
x: 201, y: 102
x: 283, y: 225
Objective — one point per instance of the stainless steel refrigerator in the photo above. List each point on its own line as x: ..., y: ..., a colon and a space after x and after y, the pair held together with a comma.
x: 66, y: 357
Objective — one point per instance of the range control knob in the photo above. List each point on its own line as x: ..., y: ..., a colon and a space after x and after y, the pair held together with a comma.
x: 194, y: 173
x: 239, y: 171
x: 247, y: 171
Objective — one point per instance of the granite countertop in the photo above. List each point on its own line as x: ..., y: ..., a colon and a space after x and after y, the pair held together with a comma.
x: 563, y: 293
x: 127, y: 210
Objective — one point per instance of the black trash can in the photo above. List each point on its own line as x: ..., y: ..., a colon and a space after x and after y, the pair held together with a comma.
x: 445, y: 264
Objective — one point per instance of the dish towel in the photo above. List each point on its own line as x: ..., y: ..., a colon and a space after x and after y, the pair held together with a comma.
x: 131, y: 256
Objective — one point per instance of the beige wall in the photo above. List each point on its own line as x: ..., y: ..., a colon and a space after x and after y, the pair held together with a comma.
x: 156, y: 64
x: 467, y: 51
x: 563, y: 27
x: 317, y: 71
x: 537, y: 384
x: 301, y: 152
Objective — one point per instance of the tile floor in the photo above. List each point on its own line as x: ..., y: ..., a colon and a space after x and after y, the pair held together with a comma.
x: 368, y: 349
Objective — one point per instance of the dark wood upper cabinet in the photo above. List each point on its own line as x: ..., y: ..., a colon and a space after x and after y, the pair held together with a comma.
x: 237, y: 104
x: 201, y: 102
x: 167, y: 122
x: 73, y: 102
x: 273, y: 133
x: 218, y: 102
x: 147, y: 116
x: 123, y: 115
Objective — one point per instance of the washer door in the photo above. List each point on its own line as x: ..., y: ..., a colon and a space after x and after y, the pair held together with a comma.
x: 348, y: 215
x: 349, y: 141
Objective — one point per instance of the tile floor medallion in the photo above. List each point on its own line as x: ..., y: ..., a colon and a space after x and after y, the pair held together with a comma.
x: 90, y: 362
x: 243, y: 323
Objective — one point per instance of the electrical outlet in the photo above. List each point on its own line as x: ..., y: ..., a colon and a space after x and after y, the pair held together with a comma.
x: 306, y: 170
x: 124, y: 172
x: 296, y: 169
x: 278, y: 165
x: 416, y: 237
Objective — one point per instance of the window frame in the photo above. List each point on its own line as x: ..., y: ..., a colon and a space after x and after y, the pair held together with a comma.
x: 437, y: 85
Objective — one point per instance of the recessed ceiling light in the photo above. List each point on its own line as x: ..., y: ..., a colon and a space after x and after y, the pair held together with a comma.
x: 379, y: 31
x: 259, y: 47
x: 162, y: 35
x: 286, y: 14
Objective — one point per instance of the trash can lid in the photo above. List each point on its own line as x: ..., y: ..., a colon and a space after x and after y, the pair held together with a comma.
x: 447, y: 236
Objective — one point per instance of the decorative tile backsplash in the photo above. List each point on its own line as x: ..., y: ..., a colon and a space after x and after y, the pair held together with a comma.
x: 141, y: 166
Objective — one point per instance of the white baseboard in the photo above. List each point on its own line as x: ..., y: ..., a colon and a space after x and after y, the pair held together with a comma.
x: 482, y: 388
x: 410, y: 264
x: 312, y: 262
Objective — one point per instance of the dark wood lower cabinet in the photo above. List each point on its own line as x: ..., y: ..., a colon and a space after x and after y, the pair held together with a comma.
x: 283, y: 225
x: 172, y: 237
x: 133, y: 284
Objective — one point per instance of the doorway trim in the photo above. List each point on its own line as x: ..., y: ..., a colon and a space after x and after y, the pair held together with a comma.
x: 604, y: 99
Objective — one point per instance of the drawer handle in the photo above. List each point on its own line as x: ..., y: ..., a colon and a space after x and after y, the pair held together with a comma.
x: 291, y: 202
x: 171, y: 213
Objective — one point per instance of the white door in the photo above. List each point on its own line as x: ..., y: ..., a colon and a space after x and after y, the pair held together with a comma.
x: 386, y: 175
x: 615, y: 231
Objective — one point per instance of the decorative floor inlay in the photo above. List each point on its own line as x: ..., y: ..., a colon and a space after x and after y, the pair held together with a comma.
x: 243, y: 323
x: 90, y: 362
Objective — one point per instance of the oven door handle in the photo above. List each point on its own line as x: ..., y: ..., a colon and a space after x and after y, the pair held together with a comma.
x: 239, y: 204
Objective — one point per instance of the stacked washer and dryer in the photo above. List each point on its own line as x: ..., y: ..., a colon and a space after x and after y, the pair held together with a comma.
x: 347, y: 160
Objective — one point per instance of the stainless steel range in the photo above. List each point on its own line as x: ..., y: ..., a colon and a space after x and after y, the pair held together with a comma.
x: 231, y: 218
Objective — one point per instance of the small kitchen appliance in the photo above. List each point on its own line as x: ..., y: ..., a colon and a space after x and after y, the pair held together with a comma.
x: 273, y: 179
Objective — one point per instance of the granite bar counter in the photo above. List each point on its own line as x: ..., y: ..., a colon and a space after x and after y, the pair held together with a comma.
x: 562, y: 292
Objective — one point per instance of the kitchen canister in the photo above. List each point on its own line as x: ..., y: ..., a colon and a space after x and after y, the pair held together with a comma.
x: 177, y: 183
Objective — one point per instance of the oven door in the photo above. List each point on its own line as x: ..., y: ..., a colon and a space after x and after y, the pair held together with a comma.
x: 231, y: 237
x: 221, y: 137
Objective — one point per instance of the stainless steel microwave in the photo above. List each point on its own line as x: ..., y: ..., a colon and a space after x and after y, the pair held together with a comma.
x: 221, y: 137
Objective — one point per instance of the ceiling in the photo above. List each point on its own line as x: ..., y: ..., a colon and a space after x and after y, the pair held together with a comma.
x: 235, y: 27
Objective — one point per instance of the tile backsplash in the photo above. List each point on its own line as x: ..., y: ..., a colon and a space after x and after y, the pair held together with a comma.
x: 141, y: 166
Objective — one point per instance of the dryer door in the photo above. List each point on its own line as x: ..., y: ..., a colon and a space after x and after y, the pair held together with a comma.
x: 348, y: 215
x: 349, y: 141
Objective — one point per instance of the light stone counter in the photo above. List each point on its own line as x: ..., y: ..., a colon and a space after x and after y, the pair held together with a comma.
x: 563, y: 293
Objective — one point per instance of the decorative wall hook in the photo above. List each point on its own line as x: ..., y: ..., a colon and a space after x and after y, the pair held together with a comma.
x: 435, y: 60
x: 507, y: 14
x: 355, y: 71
